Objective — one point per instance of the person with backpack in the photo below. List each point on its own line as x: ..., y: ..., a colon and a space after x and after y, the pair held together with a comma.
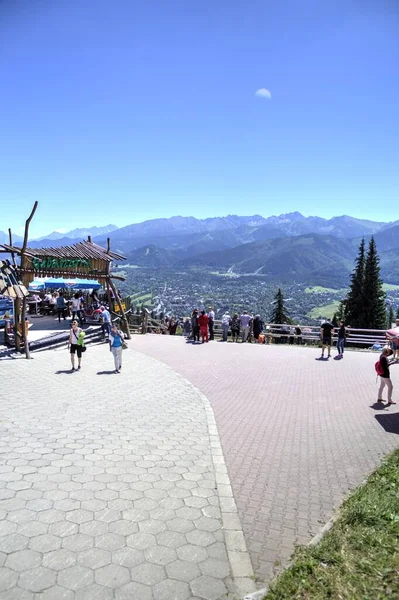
x: 235, y: 327
x: 382, y: 369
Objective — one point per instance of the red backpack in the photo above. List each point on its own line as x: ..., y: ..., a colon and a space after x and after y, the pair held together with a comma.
x: 379, y: 368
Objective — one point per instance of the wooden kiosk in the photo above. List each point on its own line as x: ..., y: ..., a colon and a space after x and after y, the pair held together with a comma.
x: 83, y: 259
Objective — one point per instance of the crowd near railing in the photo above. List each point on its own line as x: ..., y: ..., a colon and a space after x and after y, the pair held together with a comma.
x: 272, y: 333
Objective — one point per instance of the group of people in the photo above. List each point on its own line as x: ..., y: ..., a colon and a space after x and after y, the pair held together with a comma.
x: 201, y: 324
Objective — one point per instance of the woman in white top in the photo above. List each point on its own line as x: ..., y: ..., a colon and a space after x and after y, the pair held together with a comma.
x: 76, y: 344
x: 76, y: 307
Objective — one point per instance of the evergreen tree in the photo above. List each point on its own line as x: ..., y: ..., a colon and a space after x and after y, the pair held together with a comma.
x: 354, y: 302
x: 279, y: 315
x: 397, y: 313
x: 373, y: 314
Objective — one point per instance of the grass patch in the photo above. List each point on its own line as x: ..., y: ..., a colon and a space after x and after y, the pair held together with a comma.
x: 327, y: 310
x: 319, y: 289
x: 358, y: 559
x: 142, y: 299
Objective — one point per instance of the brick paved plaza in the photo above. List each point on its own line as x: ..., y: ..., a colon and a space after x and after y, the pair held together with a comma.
x: 114, y: 486
x: 297, y: 433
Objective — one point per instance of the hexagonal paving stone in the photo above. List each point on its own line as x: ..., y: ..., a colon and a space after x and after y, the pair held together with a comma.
x: 107, y: 515
x: 93, y: 528
x: 32, y: 528
x: 148, y: 574
x: 23, y: 560
x: 192, y: 553
x: 20, y: 516
x: 132, y: 591
x: 51, y: 516
x: 215, y: 568
x: 170, y: 588
x: 63, y: 528
x: 94, y: 558
x: 112, y: 576
x: 38, y: 579
x: 45, y: 543
x: 59, y: 559
x: 127, y: 557
x: 160, y: 555
x: 171, y: 539
x: 135, y: 514
x: 189, y: 513
x: 75, y: 577
x: 207, y: 524
x: 183, y: 570
x: 123, y: 527
x: 8, y: 579
x: 110, y: 541
x: 152, y: 526
x: 208, y: 588
x: 196, y: 502
x: 141, y: 541
x: 180, y: 525
x: 7, y: 527
x: 78, y: 542
x: 79, y: 516
x: 200, y: 538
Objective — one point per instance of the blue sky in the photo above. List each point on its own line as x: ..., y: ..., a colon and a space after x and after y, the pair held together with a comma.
x: 122, y: 111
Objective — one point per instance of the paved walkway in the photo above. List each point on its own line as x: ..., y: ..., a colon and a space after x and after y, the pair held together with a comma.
x: 113, y: 486
x: 297, y: 433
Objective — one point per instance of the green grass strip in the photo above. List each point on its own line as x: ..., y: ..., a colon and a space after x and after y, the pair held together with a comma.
x: 358, y: 559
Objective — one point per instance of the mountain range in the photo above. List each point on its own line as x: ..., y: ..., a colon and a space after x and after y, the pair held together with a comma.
x: 288, y: 247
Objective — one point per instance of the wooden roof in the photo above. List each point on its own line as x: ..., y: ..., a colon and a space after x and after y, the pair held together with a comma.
x: 83, y: 249
x: 10, y: 284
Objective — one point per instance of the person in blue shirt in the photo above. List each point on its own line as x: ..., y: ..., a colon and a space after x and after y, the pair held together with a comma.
x: 116, y: 339
x: 106, y: 321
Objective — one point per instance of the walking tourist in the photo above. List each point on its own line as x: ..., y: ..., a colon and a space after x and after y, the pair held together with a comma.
x: 195, y: 325
x: 106, y: 321
x: 385, y: 378
x: 211, y: 322
x: 226, y: 320
x: 326, y: 330
x: 244, y: 322
x: 76, y: 308
x: 341, y: 339
x: 76, y: 344
x: 203, y: 322
x: 116, y: 339
x: 235, y: 327
x: 61, y: 307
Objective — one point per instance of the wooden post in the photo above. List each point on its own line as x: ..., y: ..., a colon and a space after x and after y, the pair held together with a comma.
x: 122, y: 312
x: 24, y: 301
x: 12, y: 253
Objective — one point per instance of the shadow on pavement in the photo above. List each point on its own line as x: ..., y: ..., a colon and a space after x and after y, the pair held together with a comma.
x: 65, y: 372
x: 389, y: 422
x: 105, y: 372
x: 378, y: 406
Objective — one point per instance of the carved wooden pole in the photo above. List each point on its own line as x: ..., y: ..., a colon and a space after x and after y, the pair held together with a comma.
x: 24, y: 301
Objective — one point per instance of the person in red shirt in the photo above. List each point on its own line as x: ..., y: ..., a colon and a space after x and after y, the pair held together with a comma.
x: 203, y: 321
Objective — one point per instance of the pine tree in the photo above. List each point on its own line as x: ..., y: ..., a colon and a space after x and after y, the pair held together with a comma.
x: 373, y: 297
x: 279, y: 315
x: 397, y: 313
x: 354, y: 302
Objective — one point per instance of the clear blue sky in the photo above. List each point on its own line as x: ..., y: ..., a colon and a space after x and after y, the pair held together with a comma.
x: 122, y: 110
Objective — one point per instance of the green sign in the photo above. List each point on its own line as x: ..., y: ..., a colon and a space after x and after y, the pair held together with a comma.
x: 49, y: 262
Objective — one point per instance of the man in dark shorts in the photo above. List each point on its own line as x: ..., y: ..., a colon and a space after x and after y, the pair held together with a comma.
x: 326, y: 330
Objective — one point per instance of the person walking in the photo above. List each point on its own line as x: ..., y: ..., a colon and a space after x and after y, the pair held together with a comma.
x: 116, y: 340
x: 195, y: 326
x: 226, y: 320
x: 211, y: 323
x: 76, y: 308
x: 235, y: 327
x: 61, y: 307
x: 245, y: 325
x: 203, y: 322
x: 385, y: 377
x: 326, y: 330
x: 76, y: 345
x: 106, y: 321
x: 341, y: 339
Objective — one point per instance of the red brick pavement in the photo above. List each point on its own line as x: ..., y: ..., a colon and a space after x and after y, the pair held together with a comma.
x: 297, y: 433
